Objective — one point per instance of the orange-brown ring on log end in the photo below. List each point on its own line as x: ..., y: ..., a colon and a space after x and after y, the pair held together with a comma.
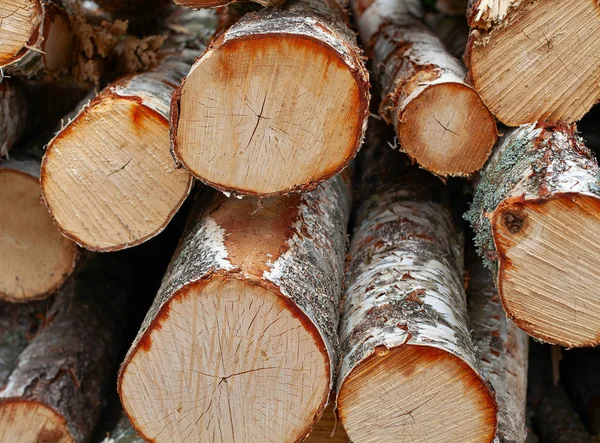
x: 447, y: 129
x: 416, y: 394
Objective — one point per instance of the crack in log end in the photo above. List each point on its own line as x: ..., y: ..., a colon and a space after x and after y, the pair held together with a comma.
x: 514, y: 221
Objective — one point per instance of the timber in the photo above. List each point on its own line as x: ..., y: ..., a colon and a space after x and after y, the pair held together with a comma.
x: 409, y: 369
x: 503, y: 352
x: 529, y: 62
x: 536, y: 216
x: 55, y: 392
x: 242, y: 331
x: 423, y: 92
x: 13, y: 115
x: 108, y: 177
x: 35, y: 259
x: 277, y: 104
x: 218, y: 3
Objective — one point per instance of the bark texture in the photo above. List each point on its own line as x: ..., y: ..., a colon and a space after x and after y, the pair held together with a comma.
x: 217, y: 3
x: 13, y: 115
x: 503, y: 353
x: 67, y: 366
x: 299, y: 258
x: 303, y: 23
x: 452, y: 30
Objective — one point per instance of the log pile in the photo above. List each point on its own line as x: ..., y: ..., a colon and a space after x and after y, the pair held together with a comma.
x: 190, y: 251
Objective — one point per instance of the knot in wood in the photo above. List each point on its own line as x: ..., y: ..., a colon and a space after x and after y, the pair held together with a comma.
x: 514, y: 221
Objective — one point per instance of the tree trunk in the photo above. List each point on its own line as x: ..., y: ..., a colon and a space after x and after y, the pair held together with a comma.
x: 277, y: 104
x: 535, y: 214
x: 240, y: 343
x: 521, y: 58
x: 35, y: 260
x: 56, y: 391
x: 423, y: 93
x: 18, y: 324
x: 114, y: 155
x: 502, y: 351
x: 13, y: 115
x: 409, y: 367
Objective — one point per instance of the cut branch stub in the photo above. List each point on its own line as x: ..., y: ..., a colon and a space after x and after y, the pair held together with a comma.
x: 537, y: 60
x: 277, y: 104
x: 35, y: 259
x: 441, y: 122
x: 240, y: 343
x: 408, y: 365
x: 536, y: 217
x: 108, y: 177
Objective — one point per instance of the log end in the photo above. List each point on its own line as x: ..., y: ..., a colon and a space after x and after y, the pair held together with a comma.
x: 416, y: 393
x: 271, y: 114
x: 548, y: 275
x: 448, y: 130
x: 39, y: 259
x: 542, y: 66
x: 31, y: 421
x: 18, y: 27
x: 229, y: 360
x: 108, y: 178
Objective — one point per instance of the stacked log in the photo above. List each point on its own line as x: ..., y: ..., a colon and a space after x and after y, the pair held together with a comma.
x: 535, y: 215
x: 277, y: 104
x: 240, y: 343
x: 423, y: 92
x: 529, y: 62
x: 12, y: 115
x: 108, y: 178
x: 55, y: 391
x: 409, y: 369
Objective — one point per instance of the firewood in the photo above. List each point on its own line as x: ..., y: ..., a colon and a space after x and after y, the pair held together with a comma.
x: 409, y: 370
x: 452, y: 30
x: 535, y: 214
x: 12, y: 115
x: 240, y: 343
x: 217, y: 3
x: 278, y: 103
x: 108, y: 177
x: 35, y: 259
x: 18, y: 325
x: 55, y: 392
x: 529, y: 64
x: 502, y: 350
x: 441, y: 122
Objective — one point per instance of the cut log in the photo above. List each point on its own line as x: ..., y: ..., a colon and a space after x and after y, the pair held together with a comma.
x: 35, y: 259
x: 277, y: 104
x: 452, y: 30
x: 12, y: 115
x: 56, y: 391
x: 217, y: 3
x: 530, y: 62
x: 18, y: 325
x: 503, y: 352
x: 536, y: 216
x: 423, y: 92
x: 409, y: 370
x: 240, y: 343
x: 108, y: 177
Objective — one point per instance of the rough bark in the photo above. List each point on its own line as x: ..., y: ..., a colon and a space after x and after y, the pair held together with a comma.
x: 556, y: 83
x: 13, y: 115
x: 67, y: 366
x: 18, y: 325
x: 36, y: 260
x: 423, y: 93
x: 144, y: 189
x: 503, y: 352
x: 286, y: 251
x: 538, y: 176
x: 452, y: 30
x: 404, y: 291
x: 305, y: 89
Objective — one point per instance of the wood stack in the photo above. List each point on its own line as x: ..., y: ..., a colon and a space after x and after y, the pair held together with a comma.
x: 332, y: 303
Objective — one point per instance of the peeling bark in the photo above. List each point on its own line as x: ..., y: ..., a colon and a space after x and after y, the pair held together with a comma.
x: 13, y: 115
x: 537, y: 176
x: 423, y: 93
x: 404, y: 291
x: 286, y: 251
x: 65, y: 369
x: 503, y: 353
